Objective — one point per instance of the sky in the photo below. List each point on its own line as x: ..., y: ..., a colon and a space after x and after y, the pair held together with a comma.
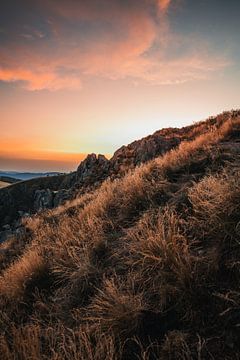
x: 83, y: 76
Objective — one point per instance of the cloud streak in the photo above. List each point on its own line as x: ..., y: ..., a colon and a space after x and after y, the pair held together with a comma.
x: 115, y: 39
x: 164, y: 4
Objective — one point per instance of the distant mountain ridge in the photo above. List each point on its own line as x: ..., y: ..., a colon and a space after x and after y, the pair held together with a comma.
x: 18, y: 175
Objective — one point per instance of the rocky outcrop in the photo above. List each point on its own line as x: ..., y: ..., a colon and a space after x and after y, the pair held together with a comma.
x: 21, y: 197
x: 43, y: 199
x: 61, y: 196
x: 141, y: 151
x: 16, y: 229
x: 47, y: 199
x: 96, y: 168
x: 92, y: 169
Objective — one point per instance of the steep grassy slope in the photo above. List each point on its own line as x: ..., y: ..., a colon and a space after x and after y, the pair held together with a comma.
x: 145, y: 267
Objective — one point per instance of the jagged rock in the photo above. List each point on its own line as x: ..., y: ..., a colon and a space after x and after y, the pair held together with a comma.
x: 141, y: 151
x: 92, y: 169
x: 43, y: 199
x: 61, y: 196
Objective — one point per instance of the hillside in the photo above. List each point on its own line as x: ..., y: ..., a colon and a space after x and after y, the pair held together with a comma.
x: 3, y: 184
x: 142, y: 263
x: 47, y: 192
x: 18, y: 176
x: 20, y: 196
x: 6, y: 181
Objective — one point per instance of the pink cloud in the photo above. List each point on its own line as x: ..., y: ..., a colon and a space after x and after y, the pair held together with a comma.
x: 163, y: 4
x: 121, y: 49
x: 39, y: 80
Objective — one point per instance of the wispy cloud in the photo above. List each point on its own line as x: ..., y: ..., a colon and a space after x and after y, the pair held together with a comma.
x: 115, y: 39
x: 164, y: 4
x: 39, y: 80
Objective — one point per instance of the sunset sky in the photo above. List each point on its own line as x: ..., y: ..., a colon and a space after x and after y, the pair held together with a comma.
x: 83, y: 76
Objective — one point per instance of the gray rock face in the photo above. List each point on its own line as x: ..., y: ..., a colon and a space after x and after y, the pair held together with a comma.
x: 43, y: 199
x: 92, y: 169
x: 47, y: 199
x: 61, y: 197
x: 17, y: 230
x: 142, y: 150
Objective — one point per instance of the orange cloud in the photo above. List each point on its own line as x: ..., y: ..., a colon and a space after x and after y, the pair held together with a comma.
x: 163, y: 4
x: 124, y: 42
x: 39, y: 80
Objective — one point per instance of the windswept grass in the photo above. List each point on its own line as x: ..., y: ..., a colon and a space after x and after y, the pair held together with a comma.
x: 145, y: 267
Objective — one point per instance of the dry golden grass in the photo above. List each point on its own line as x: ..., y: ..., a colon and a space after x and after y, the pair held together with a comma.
x: 114, y: 309
x: 62, y: 343
x: 145, y: 267
x: 16, y: 277
x: 161, y: 257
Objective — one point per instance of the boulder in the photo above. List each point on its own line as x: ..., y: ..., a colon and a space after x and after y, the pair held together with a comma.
x: 92, y: 169
x: 43, y: 199
x: 142, y: 150
x: 61, y: 197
